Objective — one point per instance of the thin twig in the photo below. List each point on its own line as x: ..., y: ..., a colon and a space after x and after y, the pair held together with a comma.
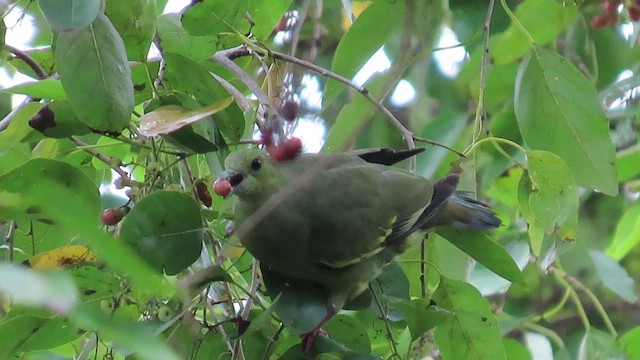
x: 552, y: 335
x: 6, y: 121
x: 316, y: 32
x: 9, y: 238
x: 406, y: 134
x: 385, y: 319
x: 100, y: 156
x: 574, y: 297
x: 40, y: 72
x: 594, y: 299
x: 436, y: 143
x: 223, y: 59
x: 481, y: 111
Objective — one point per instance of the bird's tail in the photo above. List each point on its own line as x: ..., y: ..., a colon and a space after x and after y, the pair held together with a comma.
x: 465, y: 213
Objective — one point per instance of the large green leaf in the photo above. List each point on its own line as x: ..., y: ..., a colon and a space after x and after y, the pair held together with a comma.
x: 558, y: 111
x: 29, y: 331
x: 367, y: 34
x: 57, y: 120
x: 614, y: 276
x: 135, y: 21
x: 351, y: 120
x: 265, y: 15
x: 187, y: 75
x: 631, y: 343
x: 543, y: 19
x: 165, y: 229
x: 103, y: 96
x: 471, y: 331
x: 553, y: 197
x: 25, y: 192
x: 65, y: 15
x: 597, y: 344
x: 484, y: 250
x: 300, y: 305
x: 136, y: 336
x: 349, y: 332
x: 420, y: 316
x: 626, y: 235
x: 42, y: 89
x: 212, y: 17
x: 175, y: 39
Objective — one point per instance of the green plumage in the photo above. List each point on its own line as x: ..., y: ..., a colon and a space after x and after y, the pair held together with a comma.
x: 335, y: 220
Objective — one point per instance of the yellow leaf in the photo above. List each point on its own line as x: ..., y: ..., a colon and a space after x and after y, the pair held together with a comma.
x: 169, y: 118
x: 65, y: 257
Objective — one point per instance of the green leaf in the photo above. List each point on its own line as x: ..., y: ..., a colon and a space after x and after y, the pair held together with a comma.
x: 349, y: 332
x: 627, y: 162
x: 103, y: 96
x: 543, y: 19
x: 558, y: 111
x: 484, y: 250
x: 27, y: 331
x: 57, y: 120
x: 597, y: 344
x: 135, y: 336
x: 53, y: 290
x: 631, y: 343
x: 420, y: 316
x: 175, y: 39
x: 614, y: 276
x: 188, y: 76
x: 367, y: 34
x: 536, y: 233
x: 627, y: 234
x: 41, y: 89
x: 65, y: 15
x: 112, y: 148
x: 23, y: 190
x: 352, y: 119
x: 554, y: 195
x: 301, y: 306
x: 189, y: 139
x: 471, y: 331
x: 266, y: 14
x: 516, y: 350
x: 135, y: 21
x: 488, y: 282
x: 212, y: 17
x: 165, y: 229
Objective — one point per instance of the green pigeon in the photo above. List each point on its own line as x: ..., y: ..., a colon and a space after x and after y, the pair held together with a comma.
x: 335, y: 220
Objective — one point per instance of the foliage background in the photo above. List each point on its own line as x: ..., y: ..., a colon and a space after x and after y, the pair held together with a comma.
x: 543, y: 108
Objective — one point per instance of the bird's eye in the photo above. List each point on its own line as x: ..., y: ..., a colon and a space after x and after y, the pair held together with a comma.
x: 256, y: 164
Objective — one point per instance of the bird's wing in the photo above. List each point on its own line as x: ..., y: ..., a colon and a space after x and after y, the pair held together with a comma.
x: 357, y: 210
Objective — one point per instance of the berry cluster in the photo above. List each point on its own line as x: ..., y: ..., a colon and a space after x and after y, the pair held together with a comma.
x: 610, y: 15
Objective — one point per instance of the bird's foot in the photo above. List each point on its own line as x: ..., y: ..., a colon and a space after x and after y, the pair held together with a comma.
x: 309, y: 339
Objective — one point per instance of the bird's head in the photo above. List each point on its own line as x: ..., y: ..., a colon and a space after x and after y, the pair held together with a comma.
x: 250, y: 173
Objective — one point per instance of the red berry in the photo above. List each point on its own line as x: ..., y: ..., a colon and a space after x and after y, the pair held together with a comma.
x: 281, y: 25
x: 112, y: 216
x: 222, y: 188
x: 289, y: 110
x: 634, y: 13
x: 599, y: 21
x: 287, y: 150
x: 610, y: 7
x: 203, y: 194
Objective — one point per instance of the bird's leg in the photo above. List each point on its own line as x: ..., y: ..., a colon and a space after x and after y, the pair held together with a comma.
x: 309, y: 339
